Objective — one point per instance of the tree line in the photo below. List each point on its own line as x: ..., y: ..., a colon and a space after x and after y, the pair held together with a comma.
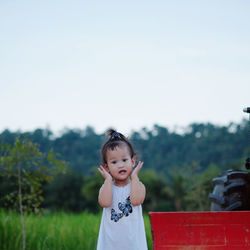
x: 177, y: 171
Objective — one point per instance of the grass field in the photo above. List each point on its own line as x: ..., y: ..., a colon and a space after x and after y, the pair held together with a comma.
x: 54, y: 231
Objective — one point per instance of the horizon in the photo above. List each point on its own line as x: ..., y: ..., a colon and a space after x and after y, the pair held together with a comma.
x: 180, y: 130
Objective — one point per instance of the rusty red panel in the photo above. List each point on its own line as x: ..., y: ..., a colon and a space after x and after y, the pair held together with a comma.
x: 200, y: 230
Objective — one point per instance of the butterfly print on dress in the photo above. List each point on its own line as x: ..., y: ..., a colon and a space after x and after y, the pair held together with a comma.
x: 125, y: 207
x: 115, y: 216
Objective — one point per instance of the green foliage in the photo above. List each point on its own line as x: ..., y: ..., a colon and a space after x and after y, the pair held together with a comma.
x: 25, y: 168
x: 159, y: 148
x: 90, y: 190
x: 177, y: 172
x: 200, y: 185
x: 177, y: 190
x: 55, y: 231
x: 64, y: 193
x: 157, y: 199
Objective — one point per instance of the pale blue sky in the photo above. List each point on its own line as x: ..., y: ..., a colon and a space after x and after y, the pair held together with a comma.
x: 125, y: 64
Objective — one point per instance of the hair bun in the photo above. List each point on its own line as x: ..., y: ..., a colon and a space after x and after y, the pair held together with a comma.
x: 110, y: 132
x: 114, y: 135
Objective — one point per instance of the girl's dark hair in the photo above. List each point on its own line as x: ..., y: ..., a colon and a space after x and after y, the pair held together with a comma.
x: 115, y: 140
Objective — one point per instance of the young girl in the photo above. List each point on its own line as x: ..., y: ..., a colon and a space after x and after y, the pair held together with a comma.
x: 121, y: 196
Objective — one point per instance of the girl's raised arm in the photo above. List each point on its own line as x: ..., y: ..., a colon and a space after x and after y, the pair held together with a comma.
x: 138, y: 190
x: 105, y: 193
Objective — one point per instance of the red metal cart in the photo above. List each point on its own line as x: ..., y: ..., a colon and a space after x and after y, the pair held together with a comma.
x: 200, y: 230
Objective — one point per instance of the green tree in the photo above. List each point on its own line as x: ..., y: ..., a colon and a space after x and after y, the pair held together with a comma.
x: 157, y: 199
x: 200, y: 185
x: 27, y: 168
x: 177, y: 190
x: 90, y: 190
x: 64, y: 193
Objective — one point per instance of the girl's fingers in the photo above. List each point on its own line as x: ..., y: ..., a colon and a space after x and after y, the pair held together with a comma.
x: 105, y: 174
x: 141, y: 163
x: 102, y: 171
x: 102, y: 168
x: 138, y: 167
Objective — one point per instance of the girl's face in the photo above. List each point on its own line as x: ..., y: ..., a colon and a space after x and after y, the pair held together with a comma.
x: 120, y: 164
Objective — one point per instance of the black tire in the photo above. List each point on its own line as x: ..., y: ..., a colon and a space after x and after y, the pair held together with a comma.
x: 231, y: 191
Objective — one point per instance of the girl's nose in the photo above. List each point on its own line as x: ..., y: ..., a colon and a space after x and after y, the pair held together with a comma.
x: 120, y: 164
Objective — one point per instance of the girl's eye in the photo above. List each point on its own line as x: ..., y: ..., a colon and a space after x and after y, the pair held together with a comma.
x: 125, y: 160
x: 113, y: 162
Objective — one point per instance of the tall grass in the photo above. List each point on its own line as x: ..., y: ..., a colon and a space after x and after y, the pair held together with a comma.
x: 60, y: 231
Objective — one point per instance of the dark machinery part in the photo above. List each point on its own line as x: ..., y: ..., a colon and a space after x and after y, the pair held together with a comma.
x: 247, y: 164
x: 232, y: 189
x: 247, y: 110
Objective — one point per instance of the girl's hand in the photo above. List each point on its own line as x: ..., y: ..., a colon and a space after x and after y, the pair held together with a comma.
x: 105, y: 174
x: 136, y: 170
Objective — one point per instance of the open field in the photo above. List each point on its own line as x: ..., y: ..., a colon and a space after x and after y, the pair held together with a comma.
x: 54, y: 231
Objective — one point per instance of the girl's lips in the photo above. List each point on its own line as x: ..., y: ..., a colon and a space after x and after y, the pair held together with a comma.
x: 122, y: 171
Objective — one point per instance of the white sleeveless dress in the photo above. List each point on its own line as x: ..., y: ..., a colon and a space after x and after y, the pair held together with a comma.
x: 122, y: 225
